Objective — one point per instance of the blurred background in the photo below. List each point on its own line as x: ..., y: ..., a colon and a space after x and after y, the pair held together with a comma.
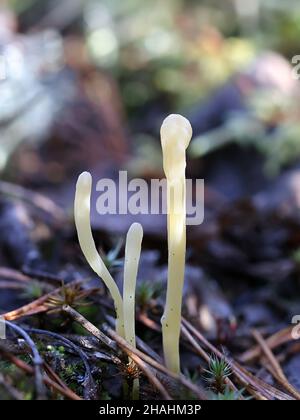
x: 85, y: 85
x: 85, y: 82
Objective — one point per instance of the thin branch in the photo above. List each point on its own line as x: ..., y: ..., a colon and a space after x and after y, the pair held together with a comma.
x: 149, y: 373
x: 37, y: 360
x: 68, y: 393
x: 111, y: 344
x: 200, y: 393
x: 205, y: 356
x: 14, y: 393
x: 88, y: 380
x: 37, y: 306
x: 11, y: 274
x: 180, y: 378
x: 261, y: 389
x: 274, y: 341
x: 76, y: 316
x: 276, y: 369
x: 139, y: 342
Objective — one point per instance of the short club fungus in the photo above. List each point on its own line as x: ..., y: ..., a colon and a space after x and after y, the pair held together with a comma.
x: 176, y: 134
x: 132, y: 258
x: 82, y: 206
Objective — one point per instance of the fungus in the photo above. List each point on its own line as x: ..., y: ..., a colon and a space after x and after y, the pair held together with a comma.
x: 82, y: 206
x: 132, y: 257
x: 176, y: 133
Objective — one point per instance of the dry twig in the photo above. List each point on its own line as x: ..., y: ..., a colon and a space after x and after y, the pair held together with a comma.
x: 132, y: 352
x: 275, y: 367
x: 37, y: 360
x: 68, y: 393
x: 255, y: 386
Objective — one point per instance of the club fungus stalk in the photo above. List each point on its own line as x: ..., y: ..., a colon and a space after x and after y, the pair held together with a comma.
x: 82, y: 206
x: 176, y: 133
x: 132, y: 258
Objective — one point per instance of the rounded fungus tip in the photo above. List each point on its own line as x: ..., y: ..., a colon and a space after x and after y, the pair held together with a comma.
x: 135, y: 234
x: 176, y: 127
x: 85, y: 179
x: 137, y: 228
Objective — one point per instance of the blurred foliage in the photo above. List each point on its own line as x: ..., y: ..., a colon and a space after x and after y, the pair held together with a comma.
x: 171, y: 48
x: 20, y: 6
x: 170, y: 55
x: 268, y: 109
x: 180, y: 48
x: 179, y: 51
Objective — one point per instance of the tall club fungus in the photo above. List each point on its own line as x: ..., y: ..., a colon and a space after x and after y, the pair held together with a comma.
x: 176, y: 133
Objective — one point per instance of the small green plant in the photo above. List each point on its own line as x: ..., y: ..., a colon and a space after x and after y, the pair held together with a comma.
x: 217, y: 373
x: 58, y: 352
x: 296, y: 256
x: 146, y: 292
x: 111, y: 259
x: 71, y: 295
x: 33, y: 290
